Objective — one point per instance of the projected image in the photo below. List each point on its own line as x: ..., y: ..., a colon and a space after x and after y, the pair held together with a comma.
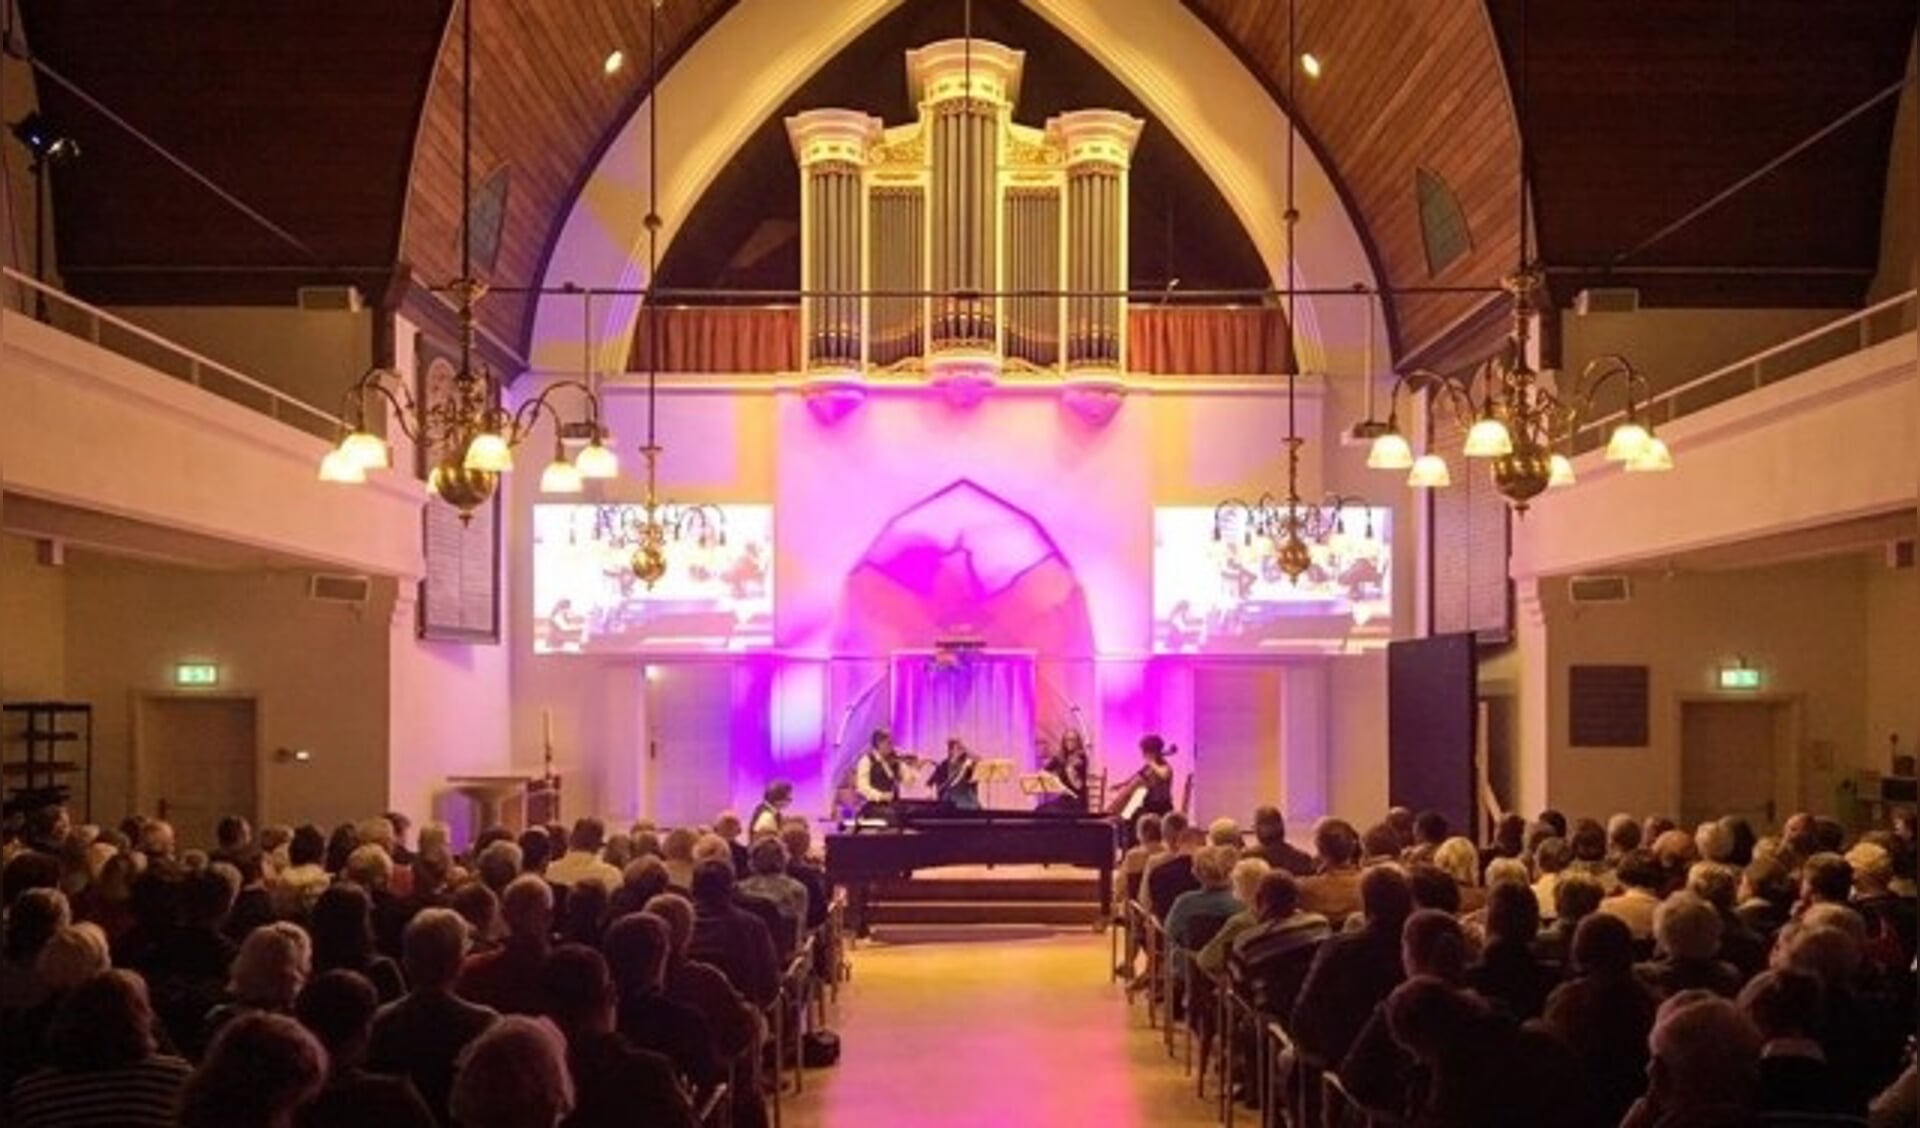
x: 1215, y: 596
x: 587, y: 601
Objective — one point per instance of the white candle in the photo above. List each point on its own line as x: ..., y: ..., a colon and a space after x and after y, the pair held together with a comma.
x: 546, y: 728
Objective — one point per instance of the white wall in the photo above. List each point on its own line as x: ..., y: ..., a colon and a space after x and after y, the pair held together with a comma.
x: 1893, y: 660
x: 33, y: 630
x: 319, y: 672
x: 85, y: 427
x: 311, y: 355
x: 1673, y: 346
x: 1805, y: 625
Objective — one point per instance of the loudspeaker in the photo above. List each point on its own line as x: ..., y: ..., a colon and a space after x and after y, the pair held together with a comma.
x: 1599, y: 589
x: 328, y: 587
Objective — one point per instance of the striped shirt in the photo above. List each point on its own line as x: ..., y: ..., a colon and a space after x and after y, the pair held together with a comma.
x: 133, y: 1096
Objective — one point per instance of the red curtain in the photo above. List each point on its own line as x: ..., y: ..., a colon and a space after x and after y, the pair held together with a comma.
x: 721, y: 339
x: 1166, y: 340
x: 1208, y: 340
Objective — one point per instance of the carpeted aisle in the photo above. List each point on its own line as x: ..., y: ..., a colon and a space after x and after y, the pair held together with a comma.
x: 1004, y: 1028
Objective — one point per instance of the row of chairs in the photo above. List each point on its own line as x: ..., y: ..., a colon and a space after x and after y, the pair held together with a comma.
x: 809, y: 988
x: 1228, y: 1035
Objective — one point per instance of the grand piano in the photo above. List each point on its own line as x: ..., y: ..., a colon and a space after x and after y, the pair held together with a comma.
x: 921, y: 834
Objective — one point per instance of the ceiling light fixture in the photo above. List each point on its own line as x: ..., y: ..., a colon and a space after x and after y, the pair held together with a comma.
x: 1288, y: 523
x: 469, y: 435
x: 648, y: 528
x: 616, y: 62
x: 1310, y: 63
x: 1515, y: 420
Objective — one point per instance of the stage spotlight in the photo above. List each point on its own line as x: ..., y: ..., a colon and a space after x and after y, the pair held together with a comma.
x: 41, y: 140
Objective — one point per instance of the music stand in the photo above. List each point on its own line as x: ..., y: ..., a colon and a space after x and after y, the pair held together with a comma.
x: 986, y: 773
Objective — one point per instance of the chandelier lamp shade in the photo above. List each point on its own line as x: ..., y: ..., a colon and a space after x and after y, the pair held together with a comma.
x: 1515, y: 420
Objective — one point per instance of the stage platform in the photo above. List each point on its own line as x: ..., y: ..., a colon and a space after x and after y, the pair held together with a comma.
x: 1052, y: 896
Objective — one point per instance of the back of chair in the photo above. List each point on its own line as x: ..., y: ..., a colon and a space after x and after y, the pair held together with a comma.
x: 1203, y: 928
x: 1097, y: 790
x: 1272, y: 984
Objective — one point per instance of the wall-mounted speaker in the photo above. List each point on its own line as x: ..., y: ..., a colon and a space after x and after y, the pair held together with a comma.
x: 1599, y: 589
x: 329, y: 587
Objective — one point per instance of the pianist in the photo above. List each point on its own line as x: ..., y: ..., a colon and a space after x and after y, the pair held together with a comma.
x: 877, y: 776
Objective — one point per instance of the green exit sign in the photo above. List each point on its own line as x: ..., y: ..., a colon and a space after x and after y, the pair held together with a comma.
x: 1741, y: 677
x: 196, y: 674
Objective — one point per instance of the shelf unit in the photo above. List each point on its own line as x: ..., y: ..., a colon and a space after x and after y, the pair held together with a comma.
x: 43, y: 746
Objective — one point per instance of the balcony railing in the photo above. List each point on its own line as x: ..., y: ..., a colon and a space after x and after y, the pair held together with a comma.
x: 1873, y: 325
x: 1169, y: 340
x: 28, y: 297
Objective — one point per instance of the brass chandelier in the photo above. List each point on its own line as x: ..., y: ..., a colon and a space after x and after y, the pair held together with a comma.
x: 1289, y: 524
x: 648, y: 528
x: 1514, y: 420
x: 468, y: 432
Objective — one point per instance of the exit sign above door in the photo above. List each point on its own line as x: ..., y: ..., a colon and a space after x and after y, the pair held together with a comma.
x: 196, y: 675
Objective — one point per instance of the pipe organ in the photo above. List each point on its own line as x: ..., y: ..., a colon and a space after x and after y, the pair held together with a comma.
x: 963, y: 244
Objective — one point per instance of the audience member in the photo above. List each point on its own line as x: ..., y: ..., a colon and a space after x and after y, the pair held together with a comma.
x: 1640, y: 879
x: 1354, y: 970
x: 420, y: 1035
x: 337, y: 1007
x: 514, y: 1075
x: 636, y: 951
x: 260, y: 1068
x: 1767, y: 893
x: 103, y: 1067
x: 1199, y: 913
x: 1244, y: 882
x: 734, y: 1023
x: 507, y: 979
x: 1333, y: 891
x: 768, y: 880
x: 1703, y: 1067
x: 1718, y: 884
x: 1784, y: 1005
x: 731, y: 939
x: 1686, y: 934
x: 615, y: 1084
x: 798, y: 840
x: 1271, y: 846
x: 1623, y: 834
x: 1429, y: 831
x: 343, y: 939
x: 1509, y: 972
x: 1604, y: 1013
x: 1172, y: 874
x: 1377, y: 1069
x: 582, y: 861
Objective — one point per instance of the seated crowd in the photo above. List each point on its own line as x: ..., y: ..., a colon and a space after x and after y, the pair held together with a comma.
x: 1567, y: 973
x: 300, y: 977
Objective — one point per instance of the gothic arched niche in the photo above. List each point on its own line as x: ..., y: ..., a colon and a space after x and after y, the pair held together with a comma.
x: 745, y: 231
x: 963, y: 562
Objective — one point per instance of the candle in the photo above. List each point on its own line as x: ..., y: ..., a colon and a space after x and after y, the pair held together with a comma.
x: 546, y: 728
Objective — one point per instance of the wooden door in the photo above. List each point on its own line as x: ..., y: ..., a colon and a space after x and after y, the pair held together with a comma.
x: 1729, y: 753
x: 197, y: 759
x: 689, y: 742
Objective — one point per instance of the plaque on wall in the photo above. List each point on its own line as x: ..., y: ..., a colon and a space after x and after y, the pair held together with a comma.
x: 1469, y: 543
x: 460, y: 594
x: 1607, y: 706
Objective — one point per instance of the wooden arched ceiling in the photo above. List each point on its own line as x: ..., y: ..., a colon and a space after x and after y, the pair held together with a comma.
x: 1404, y: 85
x: 543, y: 108
x: 340, y: 123
x: 1639, y: 112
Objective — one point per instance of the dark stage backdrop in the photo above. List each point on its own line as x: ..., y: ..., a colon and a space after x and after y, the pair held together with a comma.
x: 1432, y: 687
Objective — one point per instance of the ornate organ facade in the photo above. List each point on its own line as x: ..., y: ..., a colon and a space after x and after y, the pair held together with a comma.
x: 964, y: 245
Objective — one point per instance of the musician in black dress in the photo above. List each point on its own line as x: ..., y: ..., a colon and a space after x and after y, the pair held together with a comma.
x: 1149, y: 790
x: 877, y: 776
x: 953, y: 779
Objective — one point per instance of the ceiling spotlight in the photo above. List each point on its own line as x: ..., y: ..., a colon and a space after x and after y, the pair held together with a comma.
x: 616, y: 62
x: 1310, y: 63
x: 41, y: 140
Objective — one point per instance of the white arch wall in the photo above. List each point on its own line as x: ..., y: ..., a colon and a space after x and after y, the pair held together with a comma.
x: 749, y: 62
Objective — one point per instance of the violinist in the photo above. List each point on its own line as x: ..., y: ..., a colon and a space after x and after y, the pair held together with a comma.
x: 877, y: 776
x: 953, y: 779
x: 1069, y: 765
